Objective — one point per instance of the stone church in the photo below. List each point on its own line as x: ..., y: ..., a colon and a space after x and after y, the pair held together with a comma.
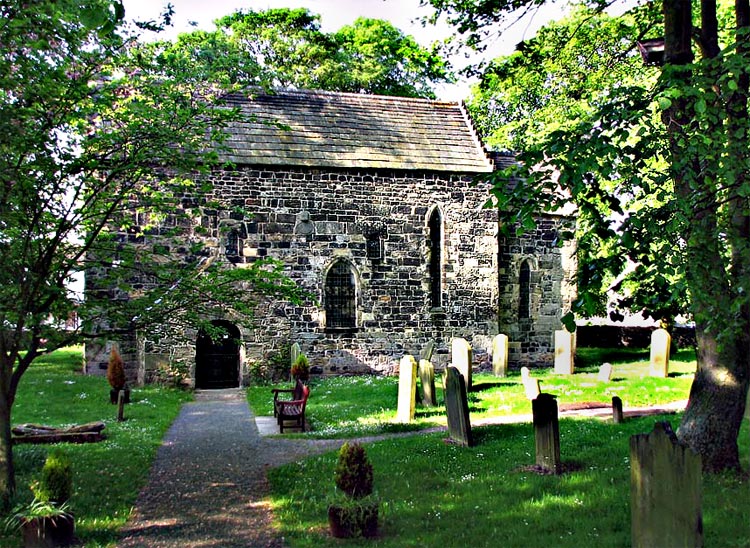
x: 373, y: 206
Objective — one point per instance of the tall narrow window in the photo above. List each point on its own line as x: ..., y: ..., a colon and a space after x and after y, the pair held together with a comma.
x: 524, y: 291
x: 232, y: 248
x: 340, y: 297
x: 436, y: 259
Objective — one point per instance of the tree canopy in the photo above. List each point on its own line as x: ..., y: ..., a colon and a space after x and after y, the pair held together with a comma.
x: 90, y: 131
x: 656, y: 162
x: 287, y: 48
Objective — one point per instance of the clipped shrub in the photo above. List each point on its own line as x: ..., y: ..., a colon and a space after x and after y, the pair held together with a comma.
x: 55, y: 484
x: 301, y: 368
x: 116, y: 370
x: 353, y: 473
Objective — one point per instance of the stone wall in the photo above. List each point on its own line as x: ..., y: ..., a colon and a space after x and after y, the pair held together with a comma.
x: 378, y: 223
x: 551, y: 290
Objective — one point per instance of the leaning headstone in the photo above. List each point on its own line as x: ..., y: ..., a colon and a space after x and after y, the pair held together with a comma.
x: 407, y: 389
x: 665, y: 491
x: 427, y: 351
x: 457, y: 407
x: 617, y: 416
x: 659, y: 362
x: 500, y: 355
x: 564, y: 352
x: 427, y: 378
x: 605, y: 372
x: 461, y: 359
x: 530, y: 384
x: 547, y: 433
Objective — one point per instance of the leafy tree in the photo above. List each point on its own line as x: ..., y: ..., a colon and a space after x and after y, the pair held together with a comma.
x: 658, y: 169
x: 90, y: 131
x: 285, y: 47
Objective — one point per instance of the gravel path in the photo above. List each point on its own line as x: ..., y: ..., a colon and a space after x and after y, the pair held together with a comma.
x: 207, y: 486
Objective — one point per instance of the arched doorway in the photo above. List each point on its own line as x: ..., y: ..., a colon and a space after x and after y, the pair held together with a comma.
x: 217, y: 359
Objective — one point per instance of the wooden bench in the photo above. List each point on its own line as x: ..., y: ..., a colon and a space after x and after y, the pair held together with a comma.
x: 295, y: 394
x: 292, y: 410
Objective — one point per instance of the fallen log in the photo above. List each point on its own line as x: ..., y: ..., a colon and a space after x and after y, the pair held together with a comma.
x: 40, y: 433
x: 76, y: 437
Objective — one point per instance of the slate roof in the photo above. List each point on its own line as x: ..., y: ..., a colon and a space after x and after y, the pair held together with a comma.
x: 347, y: 130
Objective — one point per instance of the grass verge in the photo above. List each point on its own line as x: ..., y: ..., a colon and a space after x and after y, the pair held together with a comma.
x: 437, y: 494
x: 107, y: 475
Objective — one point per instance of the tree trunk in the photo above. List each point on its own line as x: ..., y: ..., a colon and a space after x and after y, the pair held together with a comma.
x: 712, y: 420
x: 7, y: 470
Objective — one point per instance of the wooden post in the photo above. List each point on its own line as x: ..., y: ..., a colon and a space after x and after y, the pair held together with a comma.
x: 665, y: 491
x: 617, y: 416
x: 547, y: 432
x: 121, y: 406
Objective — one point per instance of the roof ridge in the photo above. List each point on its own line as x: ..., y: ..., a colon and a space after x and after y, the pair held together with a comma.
x: 325, y: 93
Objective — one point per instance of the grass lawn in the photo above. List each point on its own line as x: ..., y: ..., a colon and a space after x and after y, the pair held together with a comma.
x: 356, y: 406
x: 107, y: 475
x: 437, y: 494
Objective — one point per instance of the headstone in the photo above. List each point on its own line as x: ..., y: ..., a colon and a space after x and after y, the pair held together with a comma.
x: 427, y: 379
x: 457, y: 407
x: 617, y: 416
x: 665, y: 491
x: 659, y: 363
x: 427, y: 351
x: 407, y: 389
x: 547, y: 433
x: 461, y: 359
x: 605, y: 372
x: 500, y: 355
x: 564, y: 352
x: 530, y: 384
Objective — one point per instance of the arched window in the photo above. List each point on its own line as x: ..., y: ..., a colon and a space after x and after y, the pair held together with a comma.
x: 436, y: 258
x: 524, y: 291
x: 340, y: 297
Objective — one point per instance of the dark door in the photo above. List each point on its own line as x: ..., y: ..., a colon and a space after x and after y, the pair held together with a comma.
x: 217, y: 358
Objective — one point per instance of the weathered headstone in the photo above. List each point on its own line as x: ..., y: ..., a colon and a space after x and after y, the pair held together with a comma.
x: 427, y: 351
x: 530, y: 384
x: 547, y: 432
x: 407, y: 389
x: 665, y: 491
x: 564, y: 352
x: 659, y: 362
x: 605, y: 372
x: 457, y: 407
x: 461, y: 358
x: 427, y: 379
x: 500, y: 355
x: 617, y: 416
x: 294, y: 353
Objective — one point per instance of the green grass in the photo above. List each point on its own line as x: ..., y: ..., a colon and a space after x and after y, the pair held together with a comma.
x: 107, y: 475
x: 437, y: 494
x: 356, y: 406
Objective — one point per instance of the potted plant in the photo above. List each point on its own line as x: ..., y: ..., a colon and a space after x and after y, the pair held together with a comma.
x: 354, y: 510
x: 301, y: 368
x: 116, y: 376
x: 46, y: 521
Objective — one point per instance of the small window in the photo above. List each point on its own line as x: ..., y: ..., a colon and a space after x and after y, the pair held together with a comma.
x: 232, y: 248
x: 340, y: 297
x: 436, y: 259
x: 524, y: 291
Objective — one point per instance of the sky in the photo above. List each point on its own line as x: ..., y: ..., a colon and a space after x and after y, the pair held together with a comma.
x: 404, y: 14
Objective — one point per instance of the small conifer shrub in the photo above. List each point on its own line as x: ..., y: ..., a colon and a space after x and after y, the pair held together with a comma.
x: 115, y: 370
x: 353, y: 472
x: 55, y: 484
